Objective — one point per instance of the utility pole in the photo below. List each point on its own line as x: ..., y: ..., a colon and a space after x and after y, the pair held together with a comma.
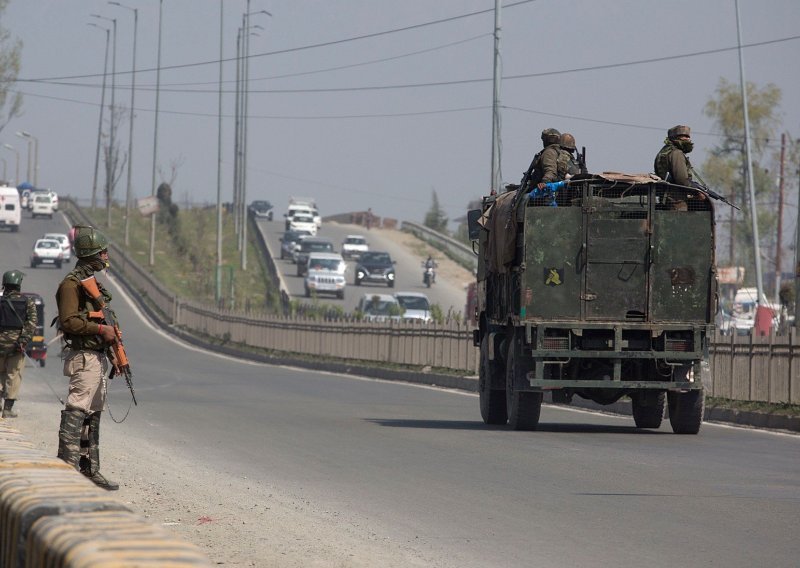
x: 155, y: 140
x: 218, y: 275
x: 753, y: 212
x: 111, y: 157
x: 496, y: 171
x: 128, y: 190
x: 100, y: 122
x: 797, y: 259
x: 780, y: 222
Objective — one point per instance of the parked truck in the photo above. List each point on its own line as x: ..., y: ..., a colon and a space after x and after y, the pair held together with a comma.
x: 602, y: 287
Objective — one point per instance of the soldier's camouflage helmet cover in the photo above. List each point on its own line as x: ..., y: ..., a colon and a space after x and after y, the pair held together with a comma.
x: 12, y: 278
x: 550, y: 136
x: 89, y: 241
x: 679, y: 130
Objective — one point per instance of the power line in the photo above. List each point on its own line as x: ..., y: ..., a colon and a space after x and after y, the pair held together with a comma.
x: 299, y: 48
x: 470, y: 81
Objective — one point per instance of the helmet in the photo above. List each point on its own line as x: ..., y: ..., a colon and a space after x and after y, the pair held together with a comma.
x: 89, y: 241
x: 550, y: 136
x: 567, y: 141
x: 679, y: 130
x: 12, y: 278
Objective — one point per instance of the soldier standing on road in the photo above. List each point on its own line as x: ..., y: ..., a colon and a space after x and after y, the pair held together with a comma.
x: 85, y: 361
x: 671, y: 163
x: 18, y: 321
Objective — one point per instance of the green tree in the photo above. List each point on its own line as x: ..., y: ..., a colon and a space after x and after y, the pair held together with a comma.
x: 10, y: 51
x: 435, y: 218
x: 724, y: 168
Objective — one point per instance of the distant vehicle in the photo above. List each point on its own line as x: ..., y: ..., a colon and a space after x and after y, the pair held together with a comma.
x: 290, y: 241
x: 416, y: 306
x: 42, y: 205
x: 325, y: 274
x: 297, y: 209
x: 310, y: 204
x: 379, y: 308
x: 354, y: 246
x: 36, y: 348
x: 307, y: 246
x: 375, y: 267
x: 24, y: 198
x: 47, y: 251
x: 261, y: 209
x: 66, y: 247
x: 10, y: 208
x: 303, y: 223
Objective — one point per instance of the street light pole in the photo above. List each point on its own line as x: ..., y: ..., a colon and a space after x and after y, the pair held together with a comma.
x: 5, y: 170
x: 28, y: 176
x: 10, y: 147
x: 100, y: 122
x: 30, y: 137
x: 128, y: 190
x: 218, y: 275
x: 152, y: 258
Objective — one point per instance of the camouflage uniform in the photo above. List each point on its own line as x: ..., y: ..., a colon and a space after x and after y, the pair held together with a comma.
x: 85, y: 361
x: 545, y: 165
x: 14, y: 335
x: 671, y: 163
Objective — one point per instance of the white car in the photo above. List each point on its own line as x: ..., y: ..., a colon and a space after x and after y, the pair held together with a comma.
x: 303, y: 223
x: 42, y: 205
x: 354, y: 245
x: 416, y: 306
x: 47, y: 251
x: 325, y: 274
x: 66, y: 248
x: 295, y: 210
x: 379, y: 308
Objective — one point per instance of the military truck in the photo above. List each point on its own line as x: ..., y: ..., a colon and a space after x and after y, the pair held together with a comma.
x: 602, y: 287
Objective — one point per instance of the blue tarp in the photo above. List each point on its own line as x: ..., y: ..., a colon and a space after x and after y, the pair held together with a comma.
x: 25, y: 185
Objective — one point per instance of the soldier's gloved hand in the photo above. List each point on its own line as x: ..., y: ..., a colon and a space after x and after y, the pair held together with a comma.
x: 20, y: 347
x: 107, y: 333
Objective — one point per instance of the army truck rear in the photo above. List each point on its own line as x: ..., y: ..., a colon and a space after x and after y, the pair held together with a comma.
x: 602, y: 287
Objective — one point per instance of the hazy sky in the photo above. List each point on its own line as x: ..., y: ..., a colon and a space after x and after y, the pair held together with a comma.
x: 384, y: 120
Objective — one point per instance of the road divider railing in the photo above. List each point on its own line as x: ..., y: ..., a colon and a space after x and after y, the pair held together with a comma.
x: 51, y: 515
x: 745, y: 368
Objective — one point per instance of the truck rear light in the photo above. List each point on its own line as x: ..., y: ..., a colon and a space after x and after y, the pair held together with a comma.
x: 678, y: 345
x: 556, y: 343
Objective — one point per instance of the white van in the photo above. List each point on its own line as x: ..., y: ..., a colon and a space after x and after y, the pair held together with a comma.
x: 10, y: 208
x: 42, y: 205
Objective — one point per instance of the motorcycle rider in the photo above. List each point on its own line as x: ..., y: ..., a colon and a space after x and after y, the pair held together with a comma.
x: 430, y: 265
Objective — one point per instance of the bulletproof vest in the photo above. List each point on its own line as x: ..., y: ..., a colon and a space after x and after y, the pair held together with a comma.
x: 661, y: 163
x: 92, y: 342
x: 567, y: 164
x: 538, y: 169
x: 13, y: 312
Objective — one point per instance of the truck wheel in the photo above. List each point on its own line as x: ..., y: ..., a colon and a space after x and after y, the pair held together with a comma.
x: 490, y: 379
x: 648, y: 408
x: 686, y: 411
x: 523, y: 407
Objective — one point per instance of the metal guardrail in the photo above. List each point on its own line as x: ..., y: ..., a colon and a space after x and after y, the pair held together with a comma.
x: 453, y: 248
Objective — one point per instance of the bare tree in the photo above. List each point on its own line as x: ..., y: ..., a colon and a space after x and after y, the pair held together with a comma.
x: 10, y: 51
x: 174, y: 166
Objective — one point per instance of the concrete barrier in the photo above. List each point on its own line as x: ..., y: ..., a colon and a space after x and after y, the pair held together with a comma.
x: 51, y: 515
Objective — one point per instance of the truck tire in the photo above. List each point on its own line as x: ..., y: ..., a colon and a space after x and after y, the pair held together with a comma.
x: 490, y: 375
x: 648, y: 408
x: 523, y: 407
x: 686, y: 411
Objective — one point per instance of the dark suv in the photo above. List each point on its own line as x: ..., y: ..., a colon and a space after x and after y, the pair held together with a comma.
x: 309, y: 245
x: 375, y: 267
x: 261, y: 209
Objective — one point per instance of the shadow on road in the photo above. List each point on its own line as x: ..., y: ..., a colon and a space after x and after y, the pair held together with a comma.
x: 557, y: 427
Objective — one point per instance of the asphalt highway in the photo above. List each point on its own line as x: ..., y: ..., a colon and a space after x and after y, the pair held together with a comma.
x: 416, y: 465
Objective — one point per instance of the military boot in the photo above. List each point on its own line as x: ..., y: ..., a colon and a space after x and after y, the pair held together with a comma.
x: 8, y: 411
x: 69, y: 437
x: 93, y: 469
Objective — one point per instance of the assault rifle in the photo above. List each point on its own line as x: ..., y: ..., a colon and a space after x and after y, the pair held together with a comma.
x: 581, y: 158
x: 116, y: 351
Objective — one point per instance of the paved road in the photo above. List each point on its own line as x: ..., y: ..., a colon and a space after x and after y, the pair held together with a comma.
x: 417, y: 466
x: 449, y: 294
